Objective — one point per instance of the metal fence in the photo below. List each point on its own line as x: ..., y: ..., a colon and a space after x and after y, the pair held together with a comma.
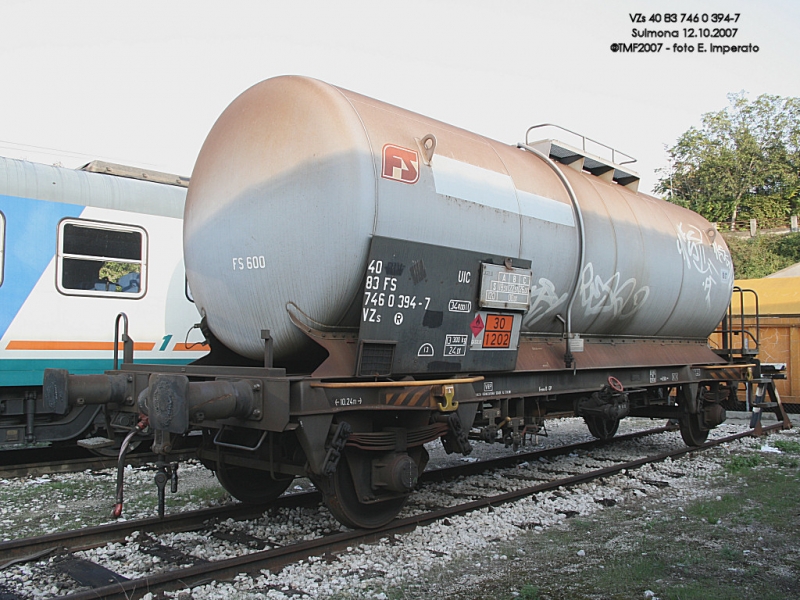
x: 756, y: 226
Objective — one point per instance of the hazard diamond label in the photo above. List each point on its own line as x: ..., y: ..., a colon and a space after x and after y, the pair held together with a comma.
x: 476, y: 326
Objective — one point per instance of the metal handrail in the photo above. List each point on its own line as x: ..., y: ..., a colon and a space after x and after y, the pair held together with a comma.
x: 569, y: 359
x: 127, y: 342
x: 729, y: 329
x: 614, y: 151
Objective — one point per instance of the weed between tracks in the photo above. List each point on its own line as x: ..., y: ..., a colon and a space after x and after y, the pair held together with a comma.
x: 742, y: 541
x: 41, y: 505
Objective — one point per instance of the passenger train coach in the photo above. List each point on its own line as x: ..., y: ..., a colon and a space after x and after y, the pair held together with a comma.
x: 77, y: 247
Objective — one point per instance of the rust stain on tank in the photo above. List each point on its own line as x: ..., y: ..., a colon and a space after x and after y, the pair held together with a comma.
x: 605, y: 355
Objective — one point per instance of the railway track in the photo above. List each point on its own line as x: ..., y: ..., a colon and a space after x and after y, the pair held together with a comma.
x: 103, y: 582
x: 75, y: 465
x: 47, y: 461
x: 114, y: 532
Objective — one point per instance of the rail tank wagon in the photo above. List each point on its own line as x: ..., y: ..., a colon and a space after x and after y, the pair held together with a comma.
x: 297, y: 177
x: 371, y: 280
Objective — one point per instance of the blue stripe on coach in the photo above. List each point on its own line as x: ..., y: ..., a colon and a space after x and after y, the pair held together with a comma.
x: 30, y: 244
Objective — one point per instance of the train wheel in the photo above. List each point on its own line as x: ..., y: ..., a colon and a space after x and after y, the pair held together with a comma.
x: 341, y: 498
x: 691, y: 429
x: 602, y: 429
x: 252, y: 486
x: 691, y: 401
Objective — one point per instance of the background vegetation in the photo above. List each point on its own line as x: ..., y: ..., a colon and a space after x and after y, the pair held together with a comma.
x: 763, y: 254
x: 743, y: 163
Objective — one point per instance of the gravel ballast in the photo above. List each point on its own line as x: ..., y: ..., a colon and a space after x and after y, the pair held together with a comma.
x: 459, y: 551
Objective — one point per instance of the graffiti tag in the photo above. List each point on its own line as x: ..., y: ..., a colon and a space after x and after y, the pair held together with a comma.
x: 692, y: 248
x: 621, y: 299
x: 544, y: 301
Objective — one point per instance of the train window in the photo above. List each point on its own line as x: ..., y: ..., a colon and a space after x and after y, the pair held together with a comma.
x: 2, y: 246
x: 101, y: 259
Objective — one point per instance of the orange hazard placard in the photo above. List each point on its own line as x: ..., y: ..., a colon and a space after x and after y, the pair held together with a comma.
x: 498, y: 331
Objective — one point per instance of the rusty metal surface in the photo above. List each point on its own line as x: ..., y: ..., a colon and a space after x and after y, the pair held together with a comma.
x: 547, y: 354
x: 107, y: 168
x: 341, y: 361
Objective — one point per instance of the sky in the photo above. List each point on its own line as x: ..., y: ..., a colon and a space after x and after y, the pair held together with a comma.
x: 141, y: 82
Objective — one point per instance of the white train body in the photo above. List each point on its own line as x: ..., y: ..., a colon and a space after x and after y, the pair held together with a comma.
x: 57, y: 226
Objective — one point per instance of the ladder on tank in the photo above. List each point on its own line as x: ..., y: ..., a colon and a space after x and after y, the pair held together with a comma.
x: 740, y: 334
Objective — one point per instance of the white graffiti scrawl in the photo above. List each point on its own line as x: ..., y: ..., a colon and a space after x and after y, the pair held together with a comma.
x: 544, y: 301
x: 620, y: 299
x: 692, y: 247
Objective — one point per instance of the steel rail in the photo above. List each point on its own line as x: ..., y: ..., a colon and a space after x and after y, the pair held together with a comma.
x: 75, y: 465
x: 90, y: 537
x: 276, y: 558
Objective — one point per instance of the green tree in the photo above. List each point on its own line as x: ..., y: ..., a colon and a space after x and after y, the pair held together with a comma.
x: 742, y: 163
x: 112, y: 270
x: 762, y: 255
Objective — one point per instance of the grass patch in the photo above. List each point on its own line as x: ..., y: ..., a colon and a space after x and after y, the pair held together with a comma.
x: 529, y: 592
x: 788, y: 446
x: 582, y: 525
x: 743, y: 462
x: 743, y: 545
x: 205, y: 494
x: 712, y: 590
x: 41, y: 505
x: 617, y: 576
x: 712, y: 511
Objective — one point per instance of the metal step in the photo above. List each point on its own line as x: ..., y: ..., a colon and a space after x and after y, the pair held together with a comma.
x: 610, y: 169
x: 94, y: 443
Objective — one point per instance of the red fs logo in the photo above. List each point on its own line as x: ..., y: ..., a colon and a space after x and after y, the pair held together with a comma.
x: 400, y: 164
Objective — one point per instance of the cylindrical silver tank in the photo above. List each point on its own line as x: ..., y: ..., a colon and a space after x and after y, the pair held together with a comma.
x: 296, y: 176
